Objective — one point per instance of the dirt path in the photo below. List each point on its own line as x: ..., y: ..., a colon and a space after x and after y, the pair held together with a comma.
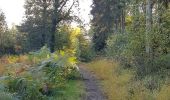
x: 93, y: 91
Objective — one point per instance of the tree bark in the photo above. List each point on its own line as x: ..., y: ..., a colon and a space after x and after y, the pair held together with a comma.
x: 44, y: 24
x: 148, y: 26
x: 53, y: 26
x: 123, y: 21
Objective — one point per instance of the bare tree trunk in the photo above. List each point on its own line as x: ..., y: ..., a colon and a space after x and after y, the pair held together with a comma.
x: 116, y: 22
x: 148, y: 27
x: 136, y: 15
x: 44, y: 24
x: 53, y: 27
x: 159, y: 11
x: 123, y: 21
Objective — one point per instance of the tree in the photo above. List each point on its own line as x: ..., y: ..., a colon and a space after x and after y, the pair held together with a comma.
x: 102, y: 22
x: 148, y: 27
x: 108, y: 18
x: 61, y: 12
x: 6, y: 43
x: 147, y: 39
x: 37, y: 22
x: 63, y: 40
x: 42, y: 20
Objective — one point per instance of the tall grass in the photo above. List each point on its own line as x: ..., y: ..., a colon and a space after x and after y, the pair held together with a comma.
x: 1, y: 69
x: 114, y: 85
x: 121, y: 84
x: 164, y: 93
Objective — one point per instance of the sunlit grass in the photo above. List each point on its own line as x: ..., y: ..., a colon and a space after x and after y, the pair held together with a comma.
x: 114, y: 85
x: 13, y: 65
x: 2, y: 69
x: 73, y: 91
x: 120, y: 84
x: 164, y: 94
x: 13, y: 59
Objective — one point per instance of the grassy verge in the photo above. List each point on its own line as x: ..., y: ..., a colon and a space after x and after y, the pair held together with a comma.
x: 1, y: 69
x: 121, y: 84
x: 73, y: 91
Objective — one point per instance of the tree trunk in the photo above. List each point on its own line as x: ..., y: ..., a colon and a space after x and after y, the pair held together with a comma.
x: 116, y: 25
x: 148, y: 27
x: 123, y: 21
x: 52, y: 39
x: 44, y: 23
x: 159, y: 11
x: 136, y: 14
x: 53, y: 27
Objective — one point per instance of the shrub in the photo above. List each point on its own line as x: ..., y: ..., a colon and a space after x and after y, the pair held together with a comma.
x: 38, y: 56
x: 47, y: 78
x: 117, y: 49
x: 84, y: 49
x: 73, y: 73
x: 87, y: 54
x: 57, y: 68
x: 163, y: 62
x: 7, y: 96
x: 115, y: 45
x: 25, y: 89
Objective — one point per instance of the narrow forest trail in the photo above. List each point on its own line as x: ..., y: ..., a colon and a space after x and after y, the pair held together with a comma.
x: 92, y: 87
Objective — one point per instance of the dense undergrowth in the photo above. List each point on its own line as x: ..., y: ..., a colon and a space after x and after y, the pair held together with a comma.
x: 40, y: 75
x: 121, y: 83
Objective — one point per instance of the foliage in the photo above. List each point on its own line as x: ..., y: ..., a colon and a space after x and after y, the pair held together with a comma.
x: 25, y: 89
x: 7, y: 96
x: 62, y: 35
x: 163, y: 62
x: 42, y: 54
x: 42, y: 19
x: 107, y: 17
x: 60, y: 66
x: 6, y: 38
x: 130, y: 48
x: 115, y: 45
x: 122, y: 84
x: 11, y: 41
x: 87, y: 52
x: 47, y: 77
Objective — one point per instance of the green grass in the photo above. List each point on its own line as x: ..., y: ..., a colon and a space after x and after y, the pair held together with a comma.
x: 121, y: 84
x: 74, y: 90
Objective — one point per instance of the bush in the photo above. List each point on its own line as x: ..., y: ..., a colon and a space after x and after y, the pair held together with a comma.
x: 116, y: 45
x: 7, y: 96
x: 47, y: 78
x: 163, y: 62
x: 25, y: 89
x: 87, y: 54
x: 73, y: 73
x: 117, y: 49
x: 38, y: 56
x: 58, y: 67
x: 84, y: 50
